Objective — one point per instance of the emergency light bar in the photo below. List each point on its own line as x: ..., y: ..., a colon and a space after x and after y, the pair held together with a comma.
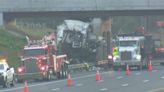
x: 35, y: 47
x: 122, y: 38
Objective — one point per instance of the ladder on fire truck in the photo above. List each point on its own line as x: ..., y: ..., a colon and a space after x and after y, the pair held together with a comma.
x: 50, y: 39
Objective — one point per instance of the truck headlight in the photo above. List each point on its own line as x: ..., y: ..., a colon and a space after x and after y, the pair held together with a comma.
x: 138, y: 57
x: 116, y: 58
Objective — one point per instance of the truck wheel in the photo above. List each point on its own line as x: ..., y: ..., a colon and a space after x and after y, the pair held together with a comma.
x: 13, y: 81
x: 62, y: 75
x: 49, y: 76
x: 59, y: 75
x: 6, y: 84
x: 64, y: 71
x: 65, y: 74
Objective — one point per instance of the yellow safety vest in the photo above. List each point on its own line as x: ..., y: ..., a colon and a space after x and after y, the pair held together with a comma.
x: 115, y: 51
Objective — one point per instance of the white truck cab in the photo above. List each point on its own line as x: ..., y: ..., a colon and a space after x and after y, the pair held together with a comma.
x: 129, y: 50
x: 7, y: 74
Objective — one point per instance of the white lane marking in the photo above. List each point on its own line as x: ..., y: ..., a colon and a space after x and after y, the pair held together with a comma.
x: 119, y: 77
x: 138, y: 73
x: 78, y: 85
x: 162, y: 77
x: 56, y: 89
x: 52, y: 82
x: 124, y: 85
x: 154, y: 70
x: 100, y: 81
x: 103, y: 89
x: 145, y: 81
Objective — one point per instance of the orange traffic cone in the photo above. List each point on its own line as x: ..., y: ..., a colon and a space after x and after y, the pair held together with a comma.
x: 25, y: 87
x: 127, y: 70
x: 98, y: 77
x: 150, y: 66
x: 69, y: 81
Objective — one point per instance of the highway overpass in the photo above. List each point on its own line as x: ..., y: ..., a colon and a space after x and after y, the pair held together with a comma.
x: 10, y: 9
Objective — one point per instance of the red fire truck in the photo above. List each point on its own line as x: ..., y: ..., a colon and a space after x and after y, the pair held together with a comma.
x: 40, y: 60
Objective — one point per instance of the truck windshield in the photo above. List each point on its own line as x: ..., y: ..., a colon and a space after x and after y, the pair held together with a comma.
x: 1, y: 66
x: 127, y: 43
x: 157, y: 44
x: 33, y: 52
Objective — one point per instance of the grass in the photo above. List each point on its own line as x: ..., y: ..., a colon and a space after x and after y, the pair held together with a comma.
x: 11, y: 46
x: 158, y: 90
x: 35, y: 32
x: 162, y: 90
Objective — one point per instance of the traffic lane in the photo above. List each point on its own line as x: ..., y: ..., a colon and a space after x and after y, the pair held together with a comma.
x: 134, y: 83
x: 56, y: 85
x: 138, y: 81
x: 115, y: 84
x: 142, y: 86
x: 88, y: 82
x: 33, y: 84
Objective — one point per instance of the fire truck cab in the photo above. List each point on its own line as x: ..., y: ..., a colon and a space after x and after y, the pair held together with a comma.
x: 40, y: 61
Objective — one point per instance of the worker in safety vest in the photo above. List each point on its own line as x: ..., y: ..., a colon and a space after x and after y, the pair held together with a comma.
x: 115, y: 51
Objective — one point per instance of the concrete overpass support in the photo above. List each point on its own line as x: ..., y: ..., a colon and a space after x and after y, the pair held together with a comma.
x: 10, y: 23
x: 102, y: 28
x: 96, y: 24
x: 1, y: 19
x: 107, y: 35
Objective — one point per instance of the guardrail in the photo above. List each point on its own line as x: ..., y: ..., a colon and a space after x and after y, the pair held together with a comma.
x: 80, y: 67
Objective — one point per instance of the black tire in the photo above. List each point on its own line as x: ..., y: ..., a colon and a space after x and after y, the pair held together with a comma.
x: 49, y: 76
x: 59, y: 75
x: 6, y: 84
x: 64, y: 72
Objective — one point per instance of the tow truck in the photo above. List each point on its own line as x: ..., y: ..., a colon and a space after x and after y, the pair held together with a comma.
x: 41, y: 61
x: 7, y: 74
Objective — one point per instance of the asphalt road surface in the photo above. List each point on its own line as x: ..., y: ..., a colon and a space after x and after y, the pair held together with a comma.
x: 111, y: 81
